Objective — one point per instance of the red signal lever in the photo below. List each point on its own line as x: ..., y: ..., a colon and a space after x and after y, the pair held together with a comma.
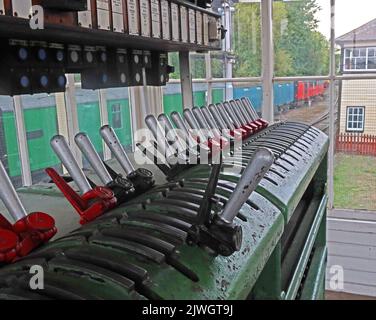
x: 28, y: 232
x: 93, y: 202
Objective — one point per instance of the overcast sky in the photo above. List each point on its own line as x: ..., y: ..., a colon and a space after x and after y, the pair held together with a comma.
x: 350, y: 14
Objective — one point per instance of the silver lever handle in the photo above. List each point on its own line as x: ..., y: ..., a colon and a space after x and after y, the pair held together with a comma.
x: 217, y: 117
x: 202, y: 121
x: 64, y: 153
x: 188, y: 115
x: 85, y: 145
x: 232, y: 115
x: 256, y: 169
x: 10, y: 197
x: 112, y: 141
x: 225, y: 116
x: 170, y: 132
x: 158, y: 134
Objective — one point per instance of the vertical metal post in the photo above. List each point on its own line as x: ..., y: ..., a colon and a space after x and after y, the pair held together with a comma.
x: 229, y: 93
x: 22, y: 142
x: 104, y: 120
x: 209, y: 76
x: 267, y: 59
x: 72, y: 118
x: 186, y: 79
x: 133, y: 115
x: 332, y: 100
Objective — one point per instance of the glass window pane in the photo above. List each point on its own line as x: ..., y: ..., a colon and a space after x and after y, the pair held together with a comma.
x: 247, y: 39
x: 9, y: 154
x: 119, y: 115
x: 300, y: 41
x: 41, y: 125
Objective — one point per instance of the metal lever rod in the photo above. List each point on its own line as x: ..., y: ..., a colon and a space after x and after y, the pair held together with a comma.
x: 202, y: 121
x: 111, y: 139
x: 217, y: 117
x: 179, y: 122
x: 189, y: 117
x: 225, y: 117
x: 210, y: 121
x: 239, y: 113
x: 10, y: 197
x: 170, y: 132
x: 239, y: 106
x: 64, y: 153
x: 256, y: 169
x: 250, y: 109
x: 231, y: 112
x: 158, y: 134
x: 85, y: 145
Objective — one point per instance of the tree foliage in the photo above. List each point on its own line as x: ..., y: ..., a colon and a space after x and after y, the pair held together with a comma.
x: 299, y: 48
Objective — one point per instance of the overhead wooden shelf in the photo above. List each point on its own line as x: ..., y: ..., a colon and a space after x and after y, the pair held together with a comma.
x: 17, y: 28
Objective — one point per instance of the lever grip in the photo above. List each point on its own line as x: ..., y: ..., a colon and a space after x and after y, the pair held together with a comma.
x: 64, y: 153
x: 256, y: 169
x: 217, y: 117
x: 239, y: 112
x: 157, y: 132
x: 188, y: 115
x: 229, y: 123
x: 112, y: 141
x: 170, y: 131
x: 10, y: 197
x: 85, y: 145
x: 201, y: 119
x: 249, y: 108
x: 238, y: 104
x: 233, y: 115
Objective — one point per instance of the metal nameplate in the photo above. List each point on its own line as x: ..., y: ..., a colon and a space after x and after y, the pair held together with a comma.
x: 103, y: 4
x: 21, y: 8
x: 155, y: 19
x: 145, y: 17
x: 84, y: 17
x: 183, y: 24
x: 192, y: 26
x: 117, y: 22
x: 175, y: 22
x: 199, y: 26
x: 165, y: 13
x: 117, y: 16
x: 133, y: 17
x: 103, y: 19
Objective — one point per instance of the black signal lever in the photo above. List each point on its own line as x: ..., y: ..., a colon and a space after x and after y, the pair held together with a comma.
x: 122, y: 188
x: 142, y: 179
x: 217, y: 231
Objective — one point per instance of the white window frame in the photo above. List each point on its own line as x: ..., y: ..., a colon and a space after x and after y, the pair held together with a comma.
x: 117, y: 112
x: 348, y: 54
x: 350, y: 118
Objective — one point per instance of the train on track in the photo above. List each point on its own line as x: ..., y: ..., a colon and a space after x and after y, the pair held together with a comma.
x: 39, y: 109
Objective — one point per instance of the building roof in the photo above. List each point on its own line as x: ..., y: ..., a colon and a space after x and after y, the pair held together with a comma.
x: 366, y: 32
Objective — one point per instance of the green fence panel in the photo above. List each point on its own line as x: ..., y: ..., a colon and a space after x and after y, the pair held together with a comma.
x: 172, y: 102
x: 89, y: 121
x: 199, y: 98
x: 217, y: 95
x: 10, y: 136
x: 41, y: 126
x: 119, y: 117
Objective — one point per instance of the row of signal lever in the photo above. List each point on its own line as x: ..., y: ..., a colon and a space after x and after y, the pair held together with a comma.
x: 203, y: 126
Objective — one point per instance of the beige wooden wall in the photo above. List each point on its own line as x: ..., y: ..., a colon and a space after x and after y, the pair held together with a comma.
x: 359, y: 93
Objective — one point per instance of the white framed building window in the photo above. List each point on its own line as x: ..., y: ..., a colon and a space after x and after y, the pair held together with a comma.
x: 360, y: 59
x: 117, y: 122
x: 355, y: 119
